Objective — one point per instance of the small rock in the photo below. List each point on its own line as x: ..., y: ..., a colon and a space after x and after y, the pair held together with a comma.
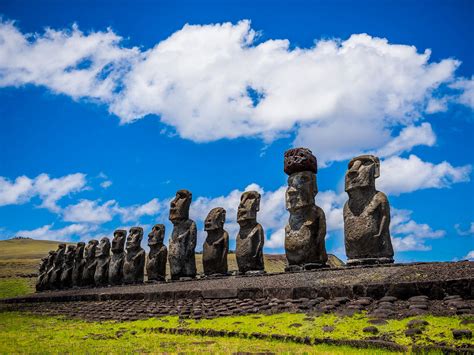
x: 328, y: 328
x: 417, y: 299
x: 341, y: 300
x: 378, y: 321
x: 418, y: 306
x: 462, y: 334
x: 295, y: 325
x: 417, y: 323
x: 412, y: 332
x: 452, y: 297
x: 467, y: 321
x: 388, y: 299
x: 370, y: 329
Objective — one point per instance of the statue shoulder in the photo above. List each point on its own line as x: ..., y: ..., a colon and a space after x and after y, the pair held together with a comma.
x: 380, y: 197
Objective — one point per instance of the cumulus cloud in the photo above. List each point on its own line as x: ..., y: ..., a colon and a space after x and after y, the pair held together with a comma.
x: 217, y: 81
x: 464, y: 232
x: 93, y: 211
x: 47, y: 232
x: 466, y: 91
x: 410, y: 174
x: 49, y: 190
x: 408, y: 235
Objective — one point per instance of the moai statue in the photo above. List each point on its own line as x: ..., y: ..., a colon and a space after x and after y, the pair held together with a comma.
x: 102, y: 258
x: 305, y: 233
x: 49, y: 270
x: 216, y: 246
x: 118, y: 257
x: 89, y: 265
x: 79, y: 263
x: 158, y: 255
x: 68, y: 267
x: 250, y: 239
x: 183, y: 238
x: 134, y: 263
x: 366, y: 215
x: 43, y: 268
x: 55, y: 278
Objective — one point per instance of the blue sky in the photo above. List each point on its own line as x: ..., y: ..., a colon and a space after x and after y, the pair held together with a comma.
x: 106, y: 110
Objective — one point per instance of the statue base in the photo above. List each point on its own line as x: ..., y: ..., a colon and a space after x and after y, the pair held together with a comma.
x: 308, y: 266
x: 369, y: 261
x: 254, y: 272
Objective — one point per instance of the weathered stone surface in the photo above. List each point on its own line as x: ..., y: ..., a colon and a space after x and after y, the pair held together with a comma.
x: 134, y: 263
x: 366, y: 214
x: 250, y: 239
x: 45, y: 264
x: 183, y: 238
x: 79, y: 263
x: 298, y: 160
x: 55, y: 277
x: 158, y: 255
x: 89, y: 265
x: 68, y: 267
x: 462, y: 334
x: 118, y: 257
x: 102, y: 257
x: 216, y: 245
x: 306, y: 229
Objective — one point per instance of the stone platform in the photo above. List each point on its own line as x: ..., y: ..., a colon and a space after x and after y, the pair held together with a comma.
x: 435, y: 280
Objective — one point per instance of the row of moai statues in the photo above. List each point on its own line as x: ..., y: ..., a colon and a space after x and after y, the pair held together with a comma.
x: 366, y: 231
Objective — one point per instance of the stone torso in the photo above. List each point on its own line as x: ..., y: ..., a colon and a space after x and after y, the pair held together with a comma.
x: 156, y: 265
x: 214, y: 258
x: 249, y: 250
x: 116, y: 268
x: 181, y: 249
x: 134, y: 266
x: 101, y: 271
x: 304, y: 243
x: 77, y: 272
x: 88, y: 272
x: 362, y: 220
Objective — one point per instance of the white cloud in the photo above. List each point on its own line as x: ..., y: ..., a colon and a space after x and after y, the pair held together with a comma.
x: 49, y: 190
x: 408, y: 138
x: 466, y: 89
x: 408, y: 235
x: 105, y: 184
x: 93, y: 211
x: 470, y: 255
x: 47, y: 232
x: 461, y: 231
x: 218, y: 81
x: 90, y: 211
x: 401, y: 175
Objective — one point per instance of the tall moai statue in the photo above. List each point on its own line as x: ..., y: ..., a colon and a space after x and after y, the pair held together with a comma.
x: 68, y: 267
x: 55, y: 277
x: 89, y: 265
x: 183, y: 238
x: 134, y: 263
x: 216, y: 245
x: 118, y: 257
x: 43, y: 268
x: 250, y: 239
x: 48, y: 271
x: 102, y: 258
x: 79, y: 263
x: 305, y: 232
x: 366, y: 215
x: 158, y: 255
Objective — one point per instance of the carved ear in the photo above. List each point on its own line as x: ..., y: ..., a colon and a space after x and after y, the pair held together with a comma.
x: 377, y: 167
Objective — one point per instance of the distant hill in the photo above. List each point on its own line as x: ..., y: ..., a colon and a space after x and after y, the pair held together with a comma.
x: 21, y: 257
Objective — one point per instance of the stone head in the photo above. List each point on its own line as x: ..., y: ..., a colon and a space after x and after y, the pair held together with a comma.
x: 118, y: 242
x: 362, y: 172
x: 300, y: 159
x: 51, y: 256
x: 70, y: 252
x: 301, y: 191
x: 249, y: 206
x: 103, y: 249
x: 79, y: 252
x: 134, y: 238
x: 179, y: 207
x: 215, y: 219
x: 157, y: 234
x: 90, y: 248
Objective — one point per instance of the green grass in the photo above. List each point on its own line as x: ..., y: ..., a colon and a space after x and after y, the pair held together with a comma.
x: 12, y: 287
x: 21, y: 333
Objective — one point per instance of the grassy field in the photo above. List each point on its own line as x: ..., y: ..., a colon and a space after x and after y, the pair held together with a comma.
x: 22, y: 333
